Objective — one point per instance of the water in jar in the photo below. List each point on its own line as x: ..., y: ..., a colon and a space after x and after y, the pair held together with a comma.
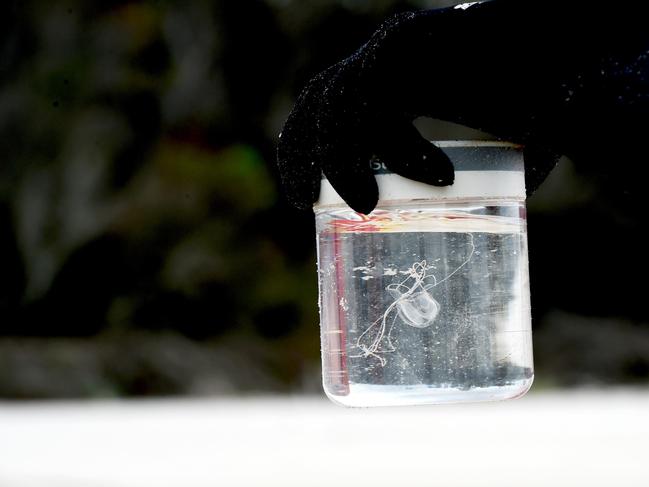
x: 424, y: 304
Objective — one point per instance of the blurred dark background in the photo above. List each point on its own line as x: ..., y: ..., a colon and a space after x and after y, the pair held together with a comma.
x: 145, y: 248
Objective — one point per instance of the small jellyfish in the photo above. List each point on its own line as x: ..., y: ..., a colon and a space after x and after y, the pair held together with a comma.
x: 419, y: 309
x: 414, y: 305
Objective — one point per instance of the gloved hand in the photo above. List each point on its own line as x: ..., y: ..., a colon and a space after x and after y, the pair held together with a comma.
x: 559, y: 77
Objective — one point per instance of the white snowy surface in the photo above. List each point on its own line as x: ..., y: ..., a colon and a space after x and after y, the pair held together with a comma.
x: 587, y: 438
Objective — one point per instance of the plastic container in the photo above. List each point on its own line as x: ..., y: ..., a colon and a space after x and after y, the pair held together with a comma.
x: 426, y: 300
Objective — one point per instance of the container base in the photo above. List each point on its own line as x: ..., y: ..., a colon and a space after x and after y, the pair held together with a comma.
x: 364, y: 395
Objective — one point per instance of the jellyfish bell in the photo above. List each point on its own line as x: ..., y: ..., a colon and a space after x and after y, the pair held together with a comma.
x: 418, y: 309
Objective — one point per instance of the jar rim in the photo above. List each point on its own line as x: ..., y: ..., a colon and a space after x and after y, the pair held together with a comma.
x: 483, y: 169
x: 476, y: 143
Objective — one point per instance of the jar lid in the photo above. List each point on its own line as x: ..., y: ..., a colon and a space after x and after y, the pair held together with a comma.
x: 483, y: 169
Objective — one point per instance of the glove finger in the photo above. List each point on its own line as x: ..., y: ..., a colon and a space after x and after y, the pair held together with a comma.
x: 298, y: 155
x: 539, y: 162
x: 348, y: 170
x: 342, y: 140
x: 403, y: 150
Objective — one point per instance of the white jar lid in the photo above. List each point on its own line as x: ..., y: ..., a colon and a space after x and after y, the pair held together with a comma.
x: 483, y: 169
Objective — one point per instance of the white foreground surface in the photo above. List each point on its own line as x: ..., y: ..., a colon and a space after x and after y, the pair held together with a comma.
x: 572, y: 439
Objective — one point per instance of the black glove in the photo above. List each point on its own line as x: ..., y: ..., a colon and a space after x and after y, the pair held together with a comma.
x: 561, y: 77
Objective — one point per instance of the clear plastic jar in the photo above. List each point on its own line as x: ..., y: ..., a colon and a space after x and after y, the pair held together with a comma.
x: 426, y: 300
